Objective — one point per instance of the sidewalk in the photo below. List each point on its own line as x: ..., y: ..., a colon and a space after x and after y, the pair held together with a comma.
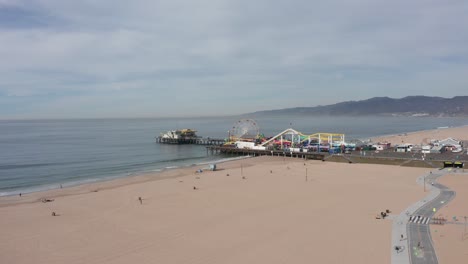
x: 400, y: 222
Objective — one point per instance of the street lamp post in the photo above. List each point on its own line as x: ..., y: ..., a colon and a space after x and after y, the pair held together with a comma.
x: 424, y: 183
x: 465, y: 223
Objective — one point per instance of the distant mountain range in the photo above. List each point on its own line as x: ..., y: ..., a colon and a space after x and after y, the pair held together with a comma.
x: 407, y: 106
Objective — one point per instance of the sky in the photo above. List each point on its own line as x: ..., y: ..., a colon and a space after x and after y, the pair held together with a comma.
x: 152, y: 58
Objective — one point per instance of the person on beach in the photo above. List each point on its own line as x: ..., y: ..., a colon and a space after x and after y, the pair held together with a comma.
x: 397, y: 248
x: 141, y: 200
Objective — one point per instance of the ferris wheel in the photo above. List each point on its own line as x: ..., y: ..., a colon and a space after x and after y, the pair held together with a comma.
x: 245, y: 129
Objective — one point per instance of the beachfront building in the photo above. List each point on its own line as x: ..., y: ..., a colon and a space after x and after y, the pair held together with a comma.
x: 448, y: 144
x: 404, y: 148
x: 381, y: 146
x: 437, y: 149
x: 183, y: 134
x: 426, y: 149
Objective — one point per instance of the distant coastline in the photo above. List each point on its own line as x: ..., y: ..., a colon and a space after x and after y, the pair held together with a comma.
x: 410, y: 106
x: 416, y: 132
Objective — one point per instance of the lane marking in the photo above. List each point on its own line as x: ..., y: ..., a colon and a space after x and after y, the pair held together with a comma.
x: 417, y: 219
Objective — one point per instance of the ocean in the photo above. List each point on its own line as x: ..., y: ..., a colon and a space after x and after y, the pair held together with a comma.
x: 39, y: 155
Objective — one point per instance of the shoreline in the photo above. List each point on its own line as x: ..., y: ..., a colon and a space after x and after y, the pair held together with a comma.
x: 143, y: 173
x: 106, y: 184
x: 265, y: 209
x: 90, y: 181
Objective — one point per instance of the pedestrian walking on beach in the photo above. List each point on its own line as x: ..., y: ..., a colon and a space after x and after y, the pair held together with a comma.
x: 141, y: 200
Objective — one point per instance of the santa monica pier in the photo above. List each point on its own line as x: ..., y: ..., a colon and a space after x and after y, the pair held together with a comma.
x: 245, y: 135
x: 245, y: 139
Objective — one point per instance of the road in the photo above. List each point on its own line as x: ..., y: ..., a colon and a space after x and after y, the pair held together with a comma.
x: 421, y: 249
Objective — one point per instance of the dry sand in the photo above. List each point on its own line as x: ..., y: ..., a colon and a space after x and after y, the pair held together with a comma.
x: 450, y: 240
x: 424, y: 137
x: 267, y: 217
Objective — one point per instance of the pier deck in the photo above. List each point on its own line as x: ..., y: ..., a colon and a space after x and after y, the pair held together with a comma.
x: 256, y: 152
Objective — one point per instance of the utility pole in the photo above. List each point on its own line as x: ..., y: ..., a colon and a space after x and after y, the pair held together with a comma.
x: 424, y: 183
x: 465, y: 223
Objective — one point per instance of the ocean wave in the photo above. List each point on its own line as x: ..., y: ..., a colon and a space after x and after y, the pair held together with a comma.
x: 33, y: 165
x: 20, y: 166
x: 53, y: 186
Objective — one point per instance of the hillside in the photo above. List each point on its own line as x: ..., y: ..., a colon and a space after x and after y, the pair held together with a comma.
x: 407, y: 106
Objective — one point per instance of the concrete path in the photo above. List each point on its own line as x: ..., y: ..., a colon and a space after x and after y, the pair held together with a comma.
x: 413, y: 223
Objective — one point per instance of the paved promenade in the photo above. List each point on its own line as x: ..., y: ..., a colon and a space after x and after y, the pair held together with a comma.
x: 413, y: 223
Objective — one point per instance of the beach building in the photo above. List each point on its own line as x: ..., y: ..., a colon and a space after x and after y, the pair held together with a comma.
x: 452, y: 145
x: 404, y: 148
x: 448, y: 144
x: 449, y: 141
x: 186, y: 136
x: 248, y: 145
x: 180, y: 134
x: 437, y: 149
x: 381, y: 146
x: 426, y: 149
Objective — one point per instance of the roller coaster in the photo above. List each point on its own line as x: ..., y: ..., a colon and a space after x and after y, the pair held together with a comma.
x: 291, y: 138
x: 245, y: 134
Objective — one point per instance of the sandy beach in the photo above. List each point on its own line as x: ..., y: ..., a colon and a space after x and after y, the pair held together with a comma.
x: 256, y: 210
x: 272, y: 216
x: 424, y: 137
x: 451, y: 240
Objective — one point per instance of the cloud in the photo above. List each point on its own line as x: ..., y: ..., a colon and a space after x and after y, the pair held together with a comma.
x: 231, y: 55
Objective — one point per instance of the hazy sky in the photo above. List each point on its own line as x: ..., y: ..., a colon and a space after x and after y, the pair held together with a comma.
x: 113, y: 58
